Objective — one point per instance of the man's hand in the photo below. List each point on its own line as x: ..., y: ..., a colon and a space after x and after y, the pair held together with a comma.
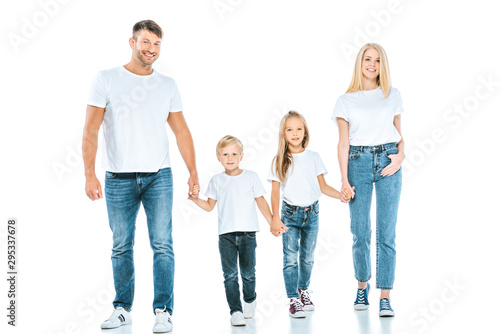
x: 192, y: 182
x: 93, y: 188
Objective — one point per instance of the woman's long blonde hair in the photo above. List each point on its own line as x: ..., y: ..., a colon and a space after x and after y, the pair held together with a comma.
x: 284, y: 158
x: 384, y: 77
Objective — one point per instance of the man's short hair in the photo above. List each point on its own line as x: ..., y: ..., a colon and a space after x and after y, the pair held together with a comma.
x: 148, y: 25
x: 227, y: 141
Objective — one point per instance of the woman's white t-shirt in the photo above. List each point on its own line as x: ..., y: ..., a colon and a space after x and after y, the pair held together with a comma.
x: 302, y: 186
x: 370, y: 116
x: 235, y: 196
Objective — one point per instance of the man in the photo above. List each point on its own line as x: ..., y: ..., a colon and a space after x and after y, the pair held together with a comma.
x: 134, y: 102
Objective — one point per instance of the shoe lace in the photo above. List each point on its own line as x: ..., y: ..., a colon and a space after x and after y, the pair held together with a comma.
x: 305, y: 296
x: 116, y: 313
x: 384, y: 304
x: 297, y: 305
x: 360, y: 298
x: 162, y: 316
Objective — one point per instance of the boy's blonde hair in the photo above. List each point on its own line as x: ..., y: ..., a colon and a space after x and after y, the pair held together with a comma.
x: 384, y: 77
x: 284, y: 158
x: 226, y: 141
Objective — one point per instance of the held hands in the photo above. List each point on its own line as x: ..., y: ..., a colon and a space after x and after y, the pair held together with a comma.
x: 394, y: 166
x: 277, y: 226
x: 195, y: 193
x: 93, y: 188
x: 346, y: 193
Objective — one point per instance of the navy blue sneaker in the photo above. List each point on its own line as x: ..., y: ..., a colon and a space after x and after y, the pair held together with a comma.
x: 361, y: 302
x: 385, y: 308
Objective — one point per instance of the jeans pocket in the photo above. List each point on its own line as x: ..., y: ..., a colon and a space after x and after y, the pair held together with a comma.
x: 391, y: 151
x: 315, y: 209
x: 110, y: 175
x: 251, y: 235
x: 287, y: 212
x: 354, y: 154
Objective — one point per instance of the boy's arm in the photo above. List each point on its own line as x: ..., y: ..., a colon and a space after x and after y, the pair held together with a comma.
x: 326, y: 189
x: 207, y: 205
x: 264, y: 208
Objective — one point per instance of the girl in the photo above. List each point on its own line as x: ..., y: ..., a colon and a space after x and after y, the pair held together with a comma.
x: 298, y: 173
x: 370, y: 152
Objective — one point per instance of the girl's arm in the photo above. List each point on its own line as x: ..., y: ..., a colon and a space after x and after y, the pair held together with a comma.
x: 396, y: 159
x: 207, y: 205
x: 326, y: 189
x: 264, y: 208
x: 343, y: 155
x: 276, y: 224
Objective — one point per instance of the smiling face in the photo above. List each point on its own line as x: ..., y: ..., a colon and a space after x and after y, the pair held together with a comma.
x: 370, y: 67
x: 294, y: 134
x: 230, y: 157
x: 146, y: 47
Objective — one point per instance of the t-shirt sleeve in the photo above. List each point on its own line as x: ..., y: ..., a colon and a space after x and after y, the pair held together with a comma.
x: 319, y: 166
x: 339, y: 111
x: 272, y: 173
x: 258, y: 188
x: 176, y: 102
x: 98, y: 96
x: 212, y: 189
x: 398, y: 107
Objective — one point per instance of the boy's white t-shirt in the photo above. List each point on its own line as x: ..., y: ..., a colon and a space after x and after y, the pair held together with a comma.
x: 302, y: 186
x: 135, y: 116
x: 235, y: 196
x: 370, y: 116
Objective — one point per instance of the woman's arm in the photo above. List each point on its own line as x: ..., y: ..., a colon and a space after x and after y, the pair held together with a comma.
x: 326, y: 189
x: 343, y: 155
x: 396, y: 159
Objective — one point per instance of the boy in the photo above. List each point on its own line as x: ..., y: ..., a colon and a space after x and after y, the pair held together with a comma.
x: 237, y: 191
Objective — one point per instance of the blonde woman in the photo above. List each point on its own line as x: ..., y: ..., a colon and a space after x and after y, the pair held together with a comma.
x: 370, y: 153
x: 299, y: 174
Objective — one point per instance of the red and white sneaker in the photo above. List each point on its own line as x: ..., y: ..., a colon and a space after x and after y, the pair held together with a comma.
x: 296, y: 310
x: 305, y: 298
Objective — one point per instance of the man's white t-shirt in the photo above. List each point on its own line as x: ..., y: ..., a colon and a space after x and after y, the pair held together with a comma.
x: 135, y: 116
x: 370, y: 116
x: 235, y: 196
x: 302, y: 186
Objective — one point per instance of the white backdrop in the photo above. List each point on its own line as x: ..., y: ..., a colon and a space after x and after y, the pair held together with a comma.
x: 240, y: 65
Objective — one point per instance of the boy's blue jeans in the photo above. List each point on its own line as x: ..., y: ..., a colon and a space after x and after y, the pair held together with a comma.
x: 124, y: 194
x: 238, y: 247
x: 364, y: 167
x: 299, y: 241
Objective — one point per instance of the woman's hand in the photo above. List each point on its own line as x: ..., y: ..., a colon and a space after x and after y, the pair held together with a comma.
x: 394, y: 166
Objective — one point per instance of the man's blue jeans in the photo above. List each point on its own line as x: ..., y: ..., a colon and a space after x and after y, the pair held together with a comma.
x: 364, y: 167
x: 299, y: 241
x: 124, y: 194
x: 238, y: 247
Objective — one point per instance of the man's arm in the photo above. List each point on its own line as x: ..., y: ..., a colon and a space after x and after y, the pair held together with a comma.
x: 185, y: 144
x: 93, y: 122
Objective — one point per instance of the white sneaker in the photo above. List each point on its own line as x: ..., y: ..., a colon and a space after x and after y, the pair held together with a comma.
x: 118, y: 318
x: 163, y: 322
x: 237, y: 319
x: 249, y: 309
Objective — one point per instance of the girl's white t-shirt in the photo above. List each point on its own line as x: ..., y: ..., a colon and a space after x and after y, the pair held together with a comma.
x: 235, y: 196
x: 302, y: 186
x: 135, y: 116
x: 370, y: 116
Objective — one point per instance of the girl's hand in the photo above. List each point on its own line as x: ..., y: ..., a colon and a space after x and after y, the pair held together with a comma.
x: 394, y: 166
x: 277, y: 226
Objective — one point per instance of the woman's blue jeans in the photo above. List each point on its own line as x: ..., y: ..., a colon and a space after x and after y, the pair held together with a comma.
x: 364, y: 167
x: 124, y: 194
x: 234, y: 248
x: 299, y: 241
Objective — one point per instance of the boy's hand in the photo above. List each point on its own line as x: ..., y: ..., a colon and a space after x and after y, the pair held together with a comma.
x: 346, y: 195
x: 277, y: 227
